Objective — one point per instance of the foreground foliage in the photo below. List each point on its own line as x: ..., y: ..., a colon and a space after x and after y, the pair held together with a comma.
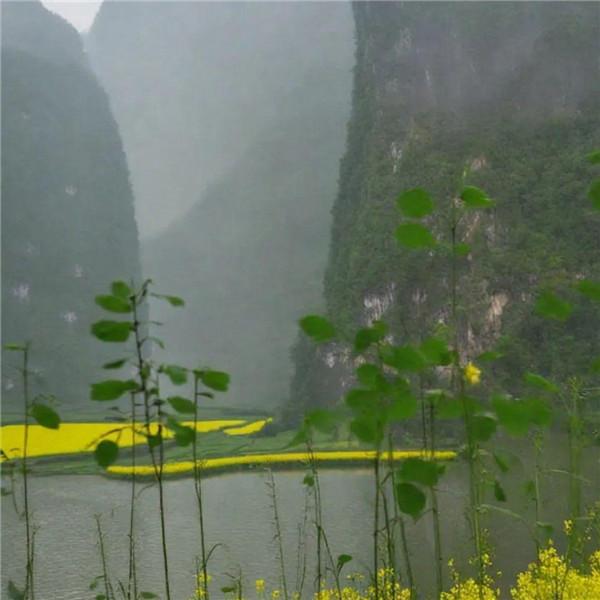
x: 550, y: 577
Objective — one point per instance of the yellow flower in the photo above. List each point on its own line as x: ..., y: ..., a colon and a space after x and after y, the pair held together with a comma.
x: 472, y: 374
x: 260, y: 586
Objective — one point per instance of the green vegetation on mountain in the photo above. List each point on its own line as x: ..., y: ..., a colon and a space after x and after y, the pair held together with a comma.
x: 509, y: 92
x: 67, y: 208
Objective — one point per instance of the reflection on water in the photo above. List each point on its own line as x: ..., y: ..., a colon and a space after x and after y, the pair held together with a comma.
x: 239, y: 516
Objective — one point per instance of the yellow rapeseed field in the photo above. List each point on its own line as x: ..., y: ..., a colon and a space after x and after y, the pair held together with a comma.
x: 247, y: 429
x: 187, y: 466
x: 73, y: 438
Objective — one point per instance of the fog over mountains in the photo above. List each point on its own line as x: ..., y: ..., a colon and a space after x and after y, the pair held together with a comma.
x: 68, y: 225
x: 223, y: 124
x: 233, y: 119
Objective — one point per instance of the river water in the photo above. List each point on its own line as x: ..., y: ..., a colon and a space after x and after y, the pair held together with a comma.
x: 239, y: 516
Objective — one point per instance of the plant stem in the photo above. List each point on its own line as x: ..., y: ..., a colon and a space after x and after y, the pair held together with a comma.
x: 334, y: 568
x: 107, y: 587
x: 132, y: 579
x: 457, y: 385
x: 538, y: 455
x: 575, y: 450
x: 376, y: 524
x: 399, y: 519
x: 271, y: 486
x: 143, y: 368
x: 198, y: 488
x: 163, y: 527
x: 435, y: 512
x: 29, y: 586
x: 318, y: 514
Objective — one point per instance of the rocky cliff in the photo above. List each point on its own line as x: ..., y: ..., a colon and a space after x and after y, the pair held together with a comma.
x: 68, y: 226
x: 509, y: 91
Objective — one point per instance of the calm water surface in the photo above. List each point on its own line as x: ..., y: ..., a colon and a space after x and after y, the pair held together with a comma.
x: 239, y: 516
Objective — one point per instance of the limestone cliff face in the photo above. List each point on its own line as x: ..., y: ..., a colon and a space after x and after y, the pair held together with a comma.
x: 68, y: 226
x: 509, y: 90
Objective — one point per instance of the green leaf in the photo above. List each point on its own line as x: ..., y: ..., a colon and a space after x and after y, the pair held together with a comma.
x: 120, y: 289
x: 415, y: 203
x: 362, y: 400
x: 14, y: 593
x: 529, y: 488
x: 366, y: 429
x: 499, y: 493
x: 462, y: 249
x: 300, y: 437
x: 594, y: 157
x: 518, y: 416
x: 449, y: 408
x: 417, y: 470
x: 308, y: 480
x: 229, y: 589
x: 112, y: 331
x: 154, y: 440
x: 552, y: 307
x: 473, y: 197
x: 546, y: 530
x: 184, y: 435
x: 181, y: 405
x: 595, y: 366
x: 106, y: 453
x: 114, y: 304
x: 148, y: 595
x: 501, y: 461
x: 177, y: 374
x: 111, y: 389
x: 539, y: 411
x: 215, y: 380
x: 512, y: 415
x: 342, y: 560
x: 172, y: 300
x: 94, y: 583
x: 15, y: 347
x: 319, y: 329
x: 370, y: 376
x: 370, y: 335
x: 115, y: 364
x: 594, y: 193
x: 156, y: 341
x: 540, y: 382
x: 436, y: 351
x: 415, y: 235
x: 322, y: 420
x: 45, y: 416
x: 411, y: 500
x: 591, y: 289
x: 403, y: 406
x: 483, y: 427
x: 403, y: 358
x: 489, y: 356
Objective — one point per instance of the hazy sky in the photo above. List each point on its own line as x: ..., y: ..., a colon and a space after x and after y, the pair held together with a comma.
x: 80, y: 13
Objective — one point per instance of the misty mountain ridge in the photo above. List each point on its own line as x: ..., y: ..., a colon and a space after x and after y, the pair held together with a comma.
x: 255, y: 100
x: 68, y: 226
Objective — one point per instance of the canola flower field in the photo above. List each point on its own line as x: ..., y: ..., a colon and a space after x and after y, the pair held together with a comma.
x: 550, y: 577
x: 77, y: 438
x: 278, y: 458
